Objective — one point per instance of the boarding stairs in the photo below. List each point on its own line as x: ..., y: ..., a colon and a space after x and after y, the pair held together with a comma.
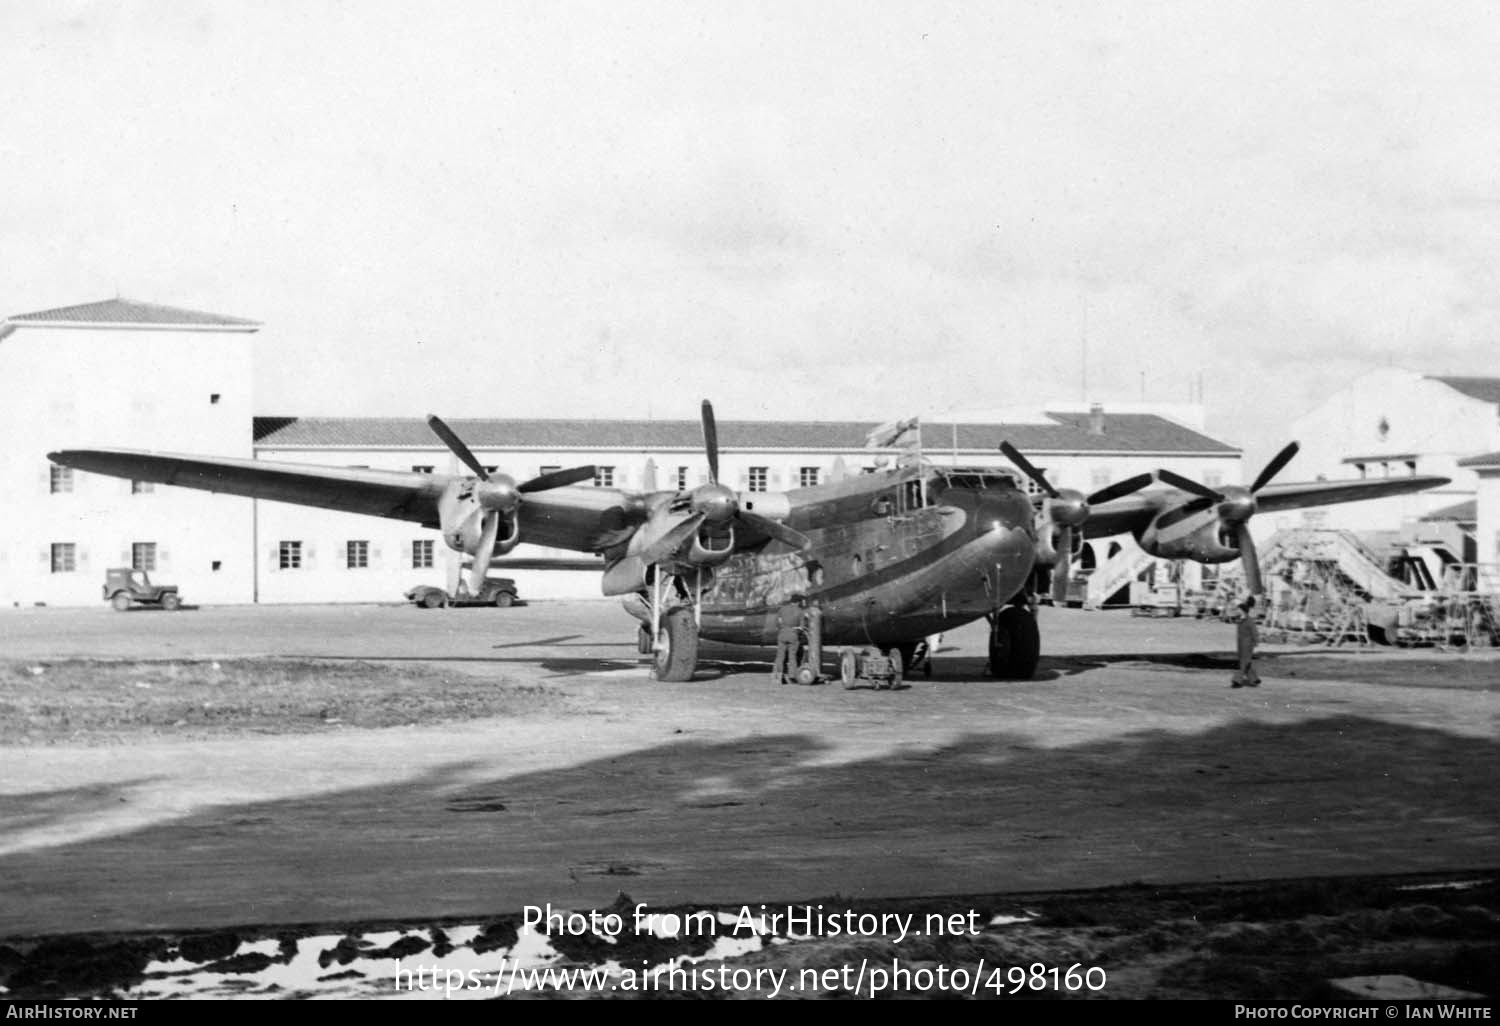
x: 1116, y: 574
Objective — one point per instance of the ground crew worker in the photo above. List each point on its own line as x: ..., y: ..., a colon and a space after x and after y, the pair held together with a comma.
x: 1245, y: 639
x: 812, y: 620
x: 788, y: 620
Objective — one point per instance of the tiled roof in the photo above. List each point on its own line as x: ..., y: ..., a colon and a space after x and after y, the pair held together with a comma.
x: 1124, y: 432
x: 1489, y: 459
x: 1463, y: 512
x: 128, y: 311
x: 1487, y: 389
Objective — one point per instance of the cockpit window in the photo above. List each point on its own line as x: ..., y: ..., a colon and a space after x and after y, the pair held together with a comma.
x: 978, y: 480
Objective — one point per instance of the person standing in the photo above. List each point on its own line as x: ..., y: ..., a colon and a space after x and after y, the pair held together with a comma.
x: 788, y: 637
x: 812, y: 621
x: 1246, y: 638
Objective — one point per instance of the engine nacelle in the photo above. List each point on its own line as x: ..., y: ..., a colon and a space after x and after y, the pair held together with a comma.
x: 464, y: 537
x: 706, y: 551
x: 1200, y: 536
x: 774, y: 505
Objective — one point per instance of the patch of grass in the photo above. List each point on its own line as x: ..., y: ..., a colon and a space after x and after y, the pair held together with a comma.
x: 100, y: 702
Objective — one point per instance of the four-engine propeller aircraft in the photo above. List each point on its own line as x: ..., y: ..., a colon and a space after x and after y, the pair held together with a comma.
x: 891, y: 557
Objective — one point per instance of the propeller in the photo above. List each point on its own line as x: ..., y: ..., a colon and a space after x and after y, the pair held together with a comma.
x: 1068, y: 509
x: 716, y: 504
x: 1236, y: 505
x: 498, y: 495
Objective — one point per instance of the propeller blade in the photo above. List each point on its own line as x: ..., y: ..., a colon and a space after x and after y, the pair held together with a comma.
x: 454, y: 443
x: 484, y: 554
x: 1187, y: 484
x: 1273, y: 468
x: 1062, y: 569
x: 1024, y: 465
x: 558, y: 478
x: 1250, y: 560
x: 711, y: 442
x: 776, y: 529
x: 1120, y: 489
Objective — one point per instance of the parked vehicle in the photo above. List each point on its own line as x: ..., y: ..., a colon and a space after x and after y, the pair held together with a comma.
x: 497, y: 591
x: 125, y: 587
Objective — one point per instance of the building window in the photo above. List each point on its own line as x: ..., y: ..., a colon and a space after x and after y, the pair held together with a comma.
x: 682, y: 479
x: 357, y: 555
x: 541, y: 472
x: 421, y: 554
x: 64, y: 557
x: 213, y: 398
x: 421, y: 468
x: 757, y: 481
x: 142, y: 487
x: 807, y: 477
x: 62, y: 479
x: 143, y: 556
x: 604, y: 477
x: 289, y: 555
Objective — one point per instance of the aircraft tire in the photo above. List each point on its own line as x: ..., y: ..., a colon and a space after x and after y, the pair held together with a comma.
x: 676, y: 655
x: 848, y: 669
x: 1015, y: 644
x: 643, y: 640
x: 898, y: 666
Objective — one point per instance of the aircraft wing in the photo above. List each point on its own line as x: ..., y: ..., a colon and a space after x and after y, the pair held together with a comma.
x: 1134, y: 512
x: 1130, y: 514
x: 400, y: 495
x: 1326, y: 493
x: 583, y: 519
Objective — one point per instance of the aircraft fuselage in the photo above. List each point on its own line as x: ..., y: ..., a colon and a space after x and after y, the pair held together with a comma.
x: 893, y: 558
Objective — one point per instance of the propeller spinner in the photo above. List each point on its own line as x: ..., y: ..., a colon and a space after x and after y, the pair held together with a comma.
x: 1236, y: 505
x: 498, y: 495
x: 718, y: 504
x: 1068, y: 510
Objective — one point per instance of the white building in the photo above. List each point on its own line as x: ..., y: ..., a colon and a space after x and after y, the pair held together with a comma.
x: 120, y: 374
x: 124, y: 375
x: 1392, y: 422
x: 1487, y: 509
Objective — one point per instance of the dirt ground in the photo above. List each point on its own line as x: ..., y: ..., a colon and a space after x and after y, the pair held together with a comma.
x: 412, y: 771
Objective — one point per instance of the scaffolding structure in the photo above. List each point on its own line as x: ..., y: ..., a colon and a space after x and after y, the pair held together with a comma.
x: 1328, y: 587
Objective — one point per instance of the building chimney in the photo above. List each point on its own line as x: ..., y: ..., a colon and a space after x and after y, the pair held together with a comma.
x: 1096, y: 419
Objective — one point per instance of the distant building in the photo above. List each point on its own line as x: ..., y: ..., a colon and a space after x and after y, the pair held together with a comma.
x: 1391, y: 423
x: 1487, y: 509
x: 128, y: 375
x: 122, y: 374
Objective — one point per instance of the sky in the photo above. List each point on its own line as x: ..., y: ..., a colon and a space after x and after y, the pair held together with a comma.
x: 826, y: 211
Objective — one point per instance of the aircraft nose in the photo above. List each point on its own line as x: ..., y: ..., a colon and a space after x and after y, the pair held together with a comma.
x: 1005, y: 511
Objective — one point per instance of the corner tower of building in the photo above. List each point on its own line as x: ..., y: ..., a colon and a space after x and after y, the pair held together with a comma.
x: 122, y: 374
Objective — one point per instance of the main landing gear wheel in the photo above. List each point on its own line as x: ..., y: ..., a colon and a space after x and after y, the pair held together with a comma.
x: 1015, y: 644
x: 676, y: 654
x: 643, y: 640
